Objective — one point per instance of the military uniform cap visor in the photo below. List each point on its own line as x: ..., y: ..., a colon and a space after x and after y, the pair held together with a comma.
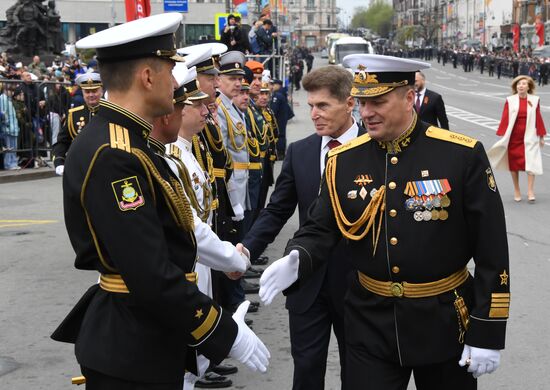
x: 231, y: 63
x: 148, y: 37
x: 376, y: 75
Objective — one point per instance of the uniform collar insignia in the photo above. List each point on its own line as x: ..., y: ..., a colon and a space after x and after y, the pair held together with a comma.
x: 401, y: 142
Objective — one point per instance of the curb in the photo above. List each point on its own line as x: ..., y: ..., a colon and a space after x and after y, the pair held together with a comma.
x: 26, y: 175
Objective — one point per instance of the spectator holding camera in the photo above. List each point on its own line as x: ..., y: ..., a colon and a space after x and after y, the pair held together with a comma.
x: 232, y: 35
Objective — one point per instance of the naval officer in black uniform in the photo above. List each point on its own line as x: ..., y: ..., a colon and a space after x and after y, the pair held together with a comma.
x: 78, y: 117
x: 415, y: 204
x: 128, y: 218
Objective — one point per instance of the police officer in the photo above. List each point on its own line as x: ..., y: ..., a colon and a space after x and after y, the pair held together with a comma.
x: 78, y: 117
x: 126, y: 217
x: 415, y: 203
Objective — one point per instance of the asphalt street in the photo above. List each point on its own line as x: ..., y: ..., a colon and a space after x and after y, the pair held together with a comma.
x: 39, y: 285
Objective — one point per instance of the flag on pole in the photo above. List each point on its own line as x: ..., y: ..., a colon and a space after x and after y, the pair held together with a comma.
x: 137, y: 9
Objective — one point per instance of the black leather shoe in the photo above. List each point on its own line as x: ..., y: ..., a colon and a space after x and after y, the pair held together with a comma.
x: 252, y: 274
x: 250, y: 288
x: 224, y: 369
x: 262, y: 260
x: 211, y: 380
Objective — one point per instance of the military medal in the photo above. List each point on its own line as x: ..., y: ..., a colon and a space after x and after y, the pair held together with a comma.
x: 426, y: 215
x: 445, y: 201
x: 363, y: 193
x: 443, y: 215
x: 418, y: 217
x: 435, y: 215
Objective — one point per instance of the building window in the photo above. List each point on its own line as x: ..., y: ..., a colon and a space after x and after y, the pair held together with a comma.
x: 328, y: 20
x: 194, y: 33
x: 310, y: 4
x: 310, y: 18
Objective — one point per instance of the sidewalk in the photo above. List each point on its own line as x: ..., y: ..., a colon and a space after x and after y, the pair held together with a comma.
x: 26, y: 174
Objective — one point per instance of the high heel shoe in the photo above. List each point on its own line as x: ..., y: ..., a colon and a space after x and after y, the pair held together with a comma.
x: 517, y: 199
x: 531, y: 199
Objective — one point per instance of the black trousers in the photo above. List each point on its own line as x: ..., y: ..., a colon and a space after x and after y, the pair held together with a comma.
x: 98, y: 381
x: 309, y: 338
x: 366, y: 372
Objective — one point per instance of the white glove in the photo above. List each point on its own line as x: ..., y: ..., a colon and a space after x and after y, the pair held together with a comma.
x: 248, y: 348
x: 279, y: 276
x: 480, y: 360
x: 59, y: 170
x: 239, y: 212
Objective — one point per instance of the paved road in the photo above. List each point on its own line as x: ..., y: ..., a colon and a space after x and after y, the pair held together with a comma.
x: 38, y: 284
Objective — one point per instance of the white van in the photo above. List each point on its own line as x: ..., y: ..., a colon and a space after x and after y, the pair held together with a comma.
x: 351, y: 45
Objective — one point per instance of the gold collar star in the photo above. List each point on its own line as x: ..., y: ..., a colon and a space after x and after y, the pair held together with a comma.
x: 503, y: 278
x: 199, y: 314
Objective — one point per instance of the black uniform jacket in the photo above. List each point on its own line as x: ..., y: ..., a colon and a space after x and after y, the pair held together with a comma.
x: 415, y: 331
x: 120, y: 213
x: 223, y: 169
x: 77, y: 118
x: 432, y: 110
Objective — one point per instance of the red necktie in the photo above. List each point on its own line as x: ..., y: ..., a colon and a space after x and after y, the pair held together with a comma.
x: 333, y: 143
x: 418, y: 102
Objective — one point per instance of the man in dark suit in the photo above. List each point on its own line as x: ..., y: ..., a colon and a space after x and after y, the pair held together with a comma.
x: 429, y: 104
x: 316, y: 306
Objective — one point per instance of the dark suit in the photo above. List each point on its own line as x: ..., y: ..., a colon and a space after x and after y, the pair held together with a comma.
x: 318, y: 303
x: 432, y: 110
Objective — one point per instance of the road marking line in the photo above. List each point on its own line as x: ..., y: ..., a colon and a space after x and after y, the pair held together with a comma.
x: 24, y: 222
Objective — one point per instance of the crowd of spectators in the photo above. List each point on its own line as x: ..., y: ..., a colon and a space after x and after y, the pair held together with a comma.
x: 499, y: 63
x: 34, y: 101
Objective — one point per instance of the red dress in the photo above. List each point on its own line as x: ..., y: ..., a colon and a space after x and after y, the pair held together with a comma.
x: 516, y: 146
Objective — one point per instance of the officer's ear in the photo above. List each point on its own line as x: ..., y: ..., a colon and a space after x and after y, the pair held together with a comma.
x: 350, y: 103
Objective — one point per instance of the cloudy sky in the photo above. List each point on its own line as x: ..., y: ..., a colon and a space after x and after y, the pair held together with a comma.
x: 348, y: 6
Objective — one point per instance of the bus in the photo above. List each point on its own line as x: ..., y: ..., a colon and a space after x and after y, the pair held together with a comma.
x: 350, y: 45
x: 329, y: 40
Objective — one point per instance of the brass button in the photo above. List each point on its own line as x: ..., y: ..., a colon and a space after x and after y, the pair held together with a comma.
x: 393, y: 241
x: 392, y: 185
x: 395, y: 269
x: 394, y: 160
x: 393, y: 212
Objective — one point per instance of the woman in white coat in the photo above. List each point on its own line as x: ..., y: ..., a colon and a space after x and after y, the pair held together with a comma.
x: 522, y: 131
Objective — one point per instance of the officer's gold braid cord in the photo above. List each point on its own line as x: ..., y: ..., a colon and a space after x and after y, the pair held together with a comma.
x: 173, y: 193
x: 368, y: 217
x: 211, y: 140
x: 231, y: 131
x: 198, y: 149
x: 270, y: 131
x: 255, y: 128
x: 188, y: 186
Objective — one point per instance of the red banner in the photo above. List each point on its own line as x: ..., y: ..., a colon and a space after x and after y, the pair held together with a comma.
x: 137, y: 9
x: 516, y: 32
x: 539, y: 30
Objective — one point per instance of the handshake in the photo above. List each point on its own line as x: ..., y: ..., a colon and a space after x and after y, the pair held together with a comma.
x: 245, y: 254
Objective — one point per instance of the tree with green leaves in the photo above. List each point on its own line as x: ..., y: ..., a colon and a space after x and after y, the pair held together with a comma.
x: 376, y: 17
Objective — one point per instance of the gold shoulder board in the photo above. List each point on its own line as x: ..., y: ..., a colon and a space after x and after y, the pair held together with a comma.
x: 120, y: 139
x: 449, y: 136
x: 76, y: 108
x: 175, y: 151
x: 350, y: 145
